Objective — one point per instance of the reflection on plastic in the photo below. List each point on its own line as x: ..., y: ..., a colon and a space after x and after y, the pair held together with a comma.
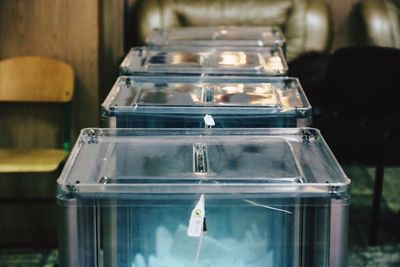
x: 233, y: 58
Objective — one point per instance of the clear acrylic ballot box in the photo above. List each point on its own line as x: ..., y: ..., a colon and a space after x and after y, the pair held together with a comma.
x: 187, y: 102
x: 218, y: 36
x: 202, y: 59
x: 205, y: 197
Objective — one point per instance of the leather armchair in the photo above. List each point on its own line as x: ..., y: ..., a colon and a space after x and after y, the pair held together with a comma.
x: 305, y: 23
x: 377, y: 22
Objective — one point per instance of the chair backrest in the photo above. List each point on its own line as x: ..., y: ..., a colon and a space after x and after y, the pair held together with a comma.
x: 360, y: 101
x: 32, y: 79
x: 377, y: 22
x: 363, y: 81
x: 306, y: 23
x: 35, y: 79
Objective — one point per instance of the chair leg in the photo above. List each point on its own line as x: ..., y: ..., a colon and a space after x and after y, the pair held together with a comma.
x: 376, y: 204
x: 378, y: 187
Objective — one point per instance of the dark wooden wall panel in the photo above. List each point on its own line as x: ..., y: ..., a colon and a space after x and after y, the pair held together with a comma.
x: 129, y: 38
x: 112, y: 43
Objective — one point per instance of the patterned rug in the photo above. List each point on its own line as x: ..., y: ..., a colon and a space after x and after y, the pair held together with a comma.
x: 381, y: 256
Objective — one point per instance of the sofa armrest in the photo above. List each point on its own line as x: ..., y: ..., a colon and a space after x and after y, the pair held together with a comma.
x: 380, y: 22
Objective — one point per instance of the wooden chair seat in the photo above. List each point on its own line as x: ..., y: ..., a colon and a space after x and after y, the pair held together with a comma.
x: 30, y: 160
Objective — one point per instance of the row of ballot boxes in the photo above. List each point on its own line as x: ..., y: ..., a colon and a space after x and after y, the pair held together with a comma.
x: 206, y: 161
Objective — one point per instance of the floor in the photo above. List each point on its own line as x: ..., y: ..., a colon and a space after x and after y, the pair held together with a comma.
x: 386, y: 254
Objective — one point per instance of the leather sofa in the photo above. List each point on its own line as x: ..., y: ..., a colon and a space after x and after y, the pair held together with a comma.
x: 305, y: 23
x: 377, y: 22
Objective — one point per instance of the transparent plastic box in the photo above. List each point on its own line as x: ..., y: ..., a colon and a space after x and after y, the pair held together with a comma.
x: 218, y: 36
x: 202, y: 59
x: 206, y: 197
x: 185, y: 102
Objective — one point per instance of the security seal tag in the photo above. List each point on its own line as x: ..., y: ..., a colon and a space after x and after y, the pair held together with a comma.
x: 209, y: 121
x: 197, y: 219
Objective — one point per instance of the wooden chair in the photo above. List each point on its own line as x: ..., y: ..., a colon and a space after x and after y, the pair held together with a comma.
x: 42, y: 80
x: 361, y: 119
